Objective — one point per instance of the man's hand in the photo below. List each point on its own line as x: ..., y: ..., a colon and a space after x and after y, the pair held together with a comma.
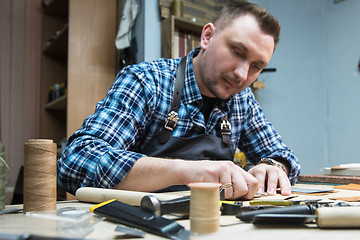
x: 151, y: 174
x: 270, y: 178
x: 244, y: 185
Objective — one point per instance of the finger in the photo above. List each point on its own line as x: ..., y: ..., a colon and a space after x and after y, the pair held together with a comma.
x: 227, y: 185
x: 239, y: 184
x: 245, y: 185
x: 259, y: 173
x: 272, y: 179
x: 284, y: 184
x: 252, y: 184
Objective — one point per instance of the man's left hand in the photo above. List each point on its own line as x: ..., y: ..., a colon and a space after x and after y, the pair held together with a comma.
x: 270, y: 178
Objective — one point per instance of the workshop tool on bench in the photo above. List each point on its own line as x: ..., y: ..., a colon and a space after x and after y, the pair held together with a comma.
x: 283, y: 202
x: 99, y: 195
x: 179, y: 205
x: 324, y: 217
x: 260, y: 204
x: 138, y: 218
x: 272, y: 202
x: 237, y: 207
x: 283, y: 219
x: 338, y: 217
x: 307, y: 209
x: 165, y: 202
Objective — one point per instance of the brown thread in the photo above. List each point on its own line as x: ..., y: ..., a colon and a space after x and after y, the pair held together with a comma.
x: 39, y: 175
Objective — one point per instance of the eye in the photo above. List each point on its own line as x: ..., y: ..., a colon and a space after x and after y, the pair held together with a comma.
x: 257, y: 67
x: 238, y: 53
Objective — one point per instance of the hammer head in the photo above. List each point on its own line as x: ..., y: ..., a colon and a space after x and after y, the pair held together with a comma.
x: 151, y: 204
x: 178, y: 205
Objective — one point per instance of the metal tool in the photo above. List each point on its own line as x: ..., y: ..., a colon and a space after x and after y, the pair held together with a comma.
x: 284, y: 219
x: 294, y: 209
x: 138, y: 218
x: 178, y: 205
x: 237, y: 207
x: 335, y: 216
x: 283, y: 202
x: 181, y: 205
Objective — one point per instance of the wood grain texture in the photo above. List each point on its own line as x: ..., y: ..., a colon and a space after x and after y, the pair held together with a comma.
x: 92, y: 56
x: 321, y: 178
x: 20, y: 44
x: 202, y: 10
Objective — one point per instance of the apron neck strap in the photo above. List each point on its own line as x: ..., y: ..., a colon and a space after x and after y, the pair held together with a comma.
x: 175, y: 105
x: 172, y: 118
x: 225, y: 128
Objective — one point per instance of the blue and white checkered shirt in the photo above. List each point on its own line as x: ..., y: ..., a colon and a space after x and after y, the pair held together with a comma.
x: 134, y: 111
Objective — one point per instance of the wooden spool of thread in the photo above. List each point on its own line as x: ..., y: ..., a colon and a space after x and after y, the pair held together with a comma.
x: 39, y: 175
x: 204, y: 207
x: 2, y: 176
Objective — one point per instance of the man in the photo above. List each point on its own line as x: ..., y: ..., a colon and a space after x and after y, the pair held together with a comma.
x: 166, y: 123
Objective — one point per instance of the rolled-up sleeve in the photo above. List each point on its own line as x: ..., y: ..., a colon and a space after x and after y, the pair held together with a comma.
x: 100, y: 154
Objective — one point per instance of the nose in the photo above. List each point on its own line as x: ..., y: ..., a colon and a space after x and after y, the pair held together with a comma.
x: 241, y: 71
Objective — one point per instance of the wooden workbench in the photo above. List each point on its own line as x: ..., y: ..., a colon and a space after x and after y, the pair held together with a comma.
x: 231, y: 227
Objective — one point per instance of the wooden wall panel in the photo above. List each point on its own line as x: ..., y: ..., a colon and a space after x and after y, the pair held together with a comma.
x: 92, y: 56
x: 20, y: 44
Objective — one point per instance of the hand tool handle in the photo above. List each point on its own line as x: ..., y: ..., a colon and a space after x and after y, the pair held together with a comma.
x: 295, y: 209
x: 338, y: 217
x: 98, y: 195
x: 176, y: 205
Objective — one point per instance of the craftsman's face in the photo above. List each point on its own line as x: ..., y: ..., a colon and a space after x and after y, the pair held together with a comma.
x: 232, y: 58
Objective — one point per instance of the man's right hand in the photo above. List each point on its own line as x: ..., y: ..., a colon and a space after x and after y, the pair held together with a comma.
x: 244, y: 185
x: 151, y: 174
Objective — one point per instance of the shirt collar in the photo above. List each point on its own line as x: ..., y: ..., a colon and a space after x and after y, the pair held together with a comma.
x: 191, y: 90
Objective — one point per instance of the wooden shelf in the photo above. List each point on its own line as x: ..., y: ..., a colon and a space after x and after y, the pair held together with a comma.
x: 87, y: 69
x: 57, y: 104
x: 54, y: 67
x: 59, y: 45
x: 173, y: 29
x: 187, y: 25
x: 56, y: 8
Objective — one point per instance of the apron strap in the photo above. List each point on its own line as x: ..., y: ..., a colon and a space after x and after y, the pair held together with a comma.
x: 175, y: 105
x: 225, y: 128
x: 172, y: 118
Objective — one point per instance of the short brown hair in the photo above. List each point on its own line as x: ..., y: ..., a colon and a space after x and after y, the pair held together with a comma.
x: 236, y: 8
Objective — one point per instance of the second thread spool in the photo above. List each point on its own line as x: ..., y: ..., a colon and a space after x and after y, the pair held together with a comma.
x: 204, y: 207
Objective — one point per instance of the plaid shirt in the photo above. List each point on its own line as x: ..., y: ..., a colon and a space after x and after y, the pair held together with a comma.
x: 134, y: 111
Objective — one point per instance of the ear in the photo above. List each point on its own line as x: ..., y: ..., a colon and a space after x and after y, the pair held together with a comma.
x: 207, y: 33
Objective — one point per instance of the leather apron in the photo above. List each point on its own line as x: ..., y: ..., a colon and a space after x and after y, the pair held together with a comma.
x: 202, y: 147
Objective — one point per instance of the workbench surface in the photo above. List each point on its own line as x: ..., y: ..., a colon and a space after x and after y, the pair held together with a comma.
x: 89, y: 226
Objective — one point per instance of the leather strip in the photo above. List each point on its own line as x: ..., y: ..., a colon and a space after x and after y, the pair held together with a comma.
x: 225, y: 128
x: 175, y: 105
